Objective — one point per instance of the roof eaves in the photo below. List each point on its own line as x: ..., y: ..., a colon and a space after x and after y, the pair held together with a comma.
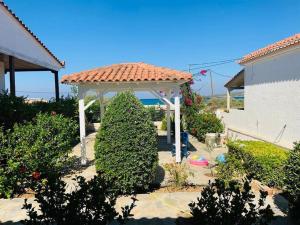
x: 62, y: 63
x: 233, y: 78
x: 270, y: 49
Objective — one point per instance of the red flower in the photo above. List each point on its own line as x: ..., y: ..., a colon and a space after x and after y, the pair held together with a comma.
x: 188, y: 102
x: 36, y: 175
x: 194, y: 131
x: 22, y: 169
x: 53, y: 113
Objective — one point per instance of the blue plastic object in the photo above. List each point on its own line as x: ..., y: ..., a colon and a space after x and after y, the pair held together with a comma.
x: 221, y: 158
x: 184, y: 136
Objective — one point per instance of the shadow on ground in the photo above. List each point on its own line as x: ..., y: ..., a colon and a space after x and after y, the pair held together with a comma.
x: 150, y: 221
x: 281, y: 203
x: 11, y: 223
x: 164, y: 146
x: 75, y: 166
x: 170, y: 221
x: 159, y: 175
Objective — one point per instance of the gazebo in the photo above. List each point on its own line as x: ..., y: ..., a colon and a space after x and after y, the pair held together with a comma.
x: 164, y: 83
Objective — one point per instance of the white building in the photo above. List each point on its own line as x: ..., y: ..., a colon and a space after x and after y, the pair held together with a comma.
x: 271, y: 83
x: 21, y: 51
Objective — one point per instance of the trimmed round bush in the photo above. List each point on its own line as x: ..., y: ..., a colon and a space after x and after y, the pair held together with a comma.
x: 126, y: 145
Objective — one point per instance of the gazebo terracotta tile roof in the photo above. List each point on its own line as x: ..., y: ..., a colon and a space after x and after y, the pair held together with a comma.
x: 290, y: 41
x: 127, y: 72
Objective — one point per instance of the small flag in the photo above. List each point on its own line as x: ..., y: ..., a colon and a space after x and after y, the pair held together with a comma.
x: 203, y: 72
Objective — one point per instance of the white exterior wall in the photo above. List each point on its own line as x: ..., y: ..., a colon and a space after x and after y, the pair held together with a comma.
x: 272, y: 100
x: 16, y: 41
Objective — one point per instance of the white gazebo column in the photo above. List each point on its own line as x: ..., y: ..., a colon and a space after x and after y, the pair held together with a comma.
x: 82, y: 125
x: 2, y: 77
x: 168, y: 118
x: 228, y: 99
x: 177, y: 126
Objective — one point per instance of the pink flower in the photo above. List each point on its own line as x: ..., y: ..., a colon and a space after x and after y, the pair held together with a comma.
x: 203, y: 72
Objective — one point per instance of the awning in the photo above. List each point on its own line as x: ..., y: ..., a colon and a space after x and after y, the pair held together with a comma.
x: 237, y: 82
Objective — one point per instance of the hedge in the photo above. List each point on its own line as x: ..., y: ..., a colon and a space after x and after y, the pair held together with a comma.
x: 126, y: 144
x: 292, y: 182
x: 15, y: 109
x: 264, y: 161
x: 34, y: 150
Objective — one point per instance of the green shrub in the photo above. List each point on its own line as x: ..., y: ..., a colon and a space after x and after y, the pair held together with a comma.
x: 68, y: 107
x: 13, y: 110
x: 205, y: 123
x: 126, y: 145
x: 156, y: 114
x: 172, y: 124
x: 34, y: 150
x: 178, y: 174
x: 292, y: 181
x: 93, y: 112
x: 231, y: 169
x: 164, y: 123
x: 92, y: 202
x: 262, y: 160
x: 221, y: 204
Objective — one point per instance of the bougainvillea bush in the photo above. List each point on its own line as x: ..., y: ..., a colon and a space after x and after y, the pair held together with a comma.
x: 34, y: 150
x: 192, y: 104
x: 126, y: 144
x: 196, y: 120
x: 292, y: 181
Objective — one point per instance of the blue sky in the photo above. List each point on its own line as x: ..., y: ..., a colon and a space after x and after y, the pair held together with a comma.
x: 174, y: 33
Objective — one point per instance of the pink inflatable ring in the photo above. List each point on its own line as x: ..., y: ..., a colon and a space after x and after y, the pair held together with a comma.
x: 198, y: 162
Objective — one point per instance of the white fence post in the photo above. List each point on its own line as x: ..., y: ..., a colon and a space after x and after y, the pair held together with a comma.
x: 82, y: 126
x: 177, y: 126
x: 168, y: 118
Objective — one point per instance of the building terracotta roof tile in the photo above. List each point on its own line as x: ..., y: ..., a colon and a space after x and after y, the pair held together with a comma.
x: 290, y: 41
x: 126, y: 72
x: 62, y: 63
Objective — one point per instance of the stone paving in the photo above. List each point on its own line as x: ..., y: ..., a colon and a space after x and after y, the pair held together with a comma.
x: 152, y: 208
